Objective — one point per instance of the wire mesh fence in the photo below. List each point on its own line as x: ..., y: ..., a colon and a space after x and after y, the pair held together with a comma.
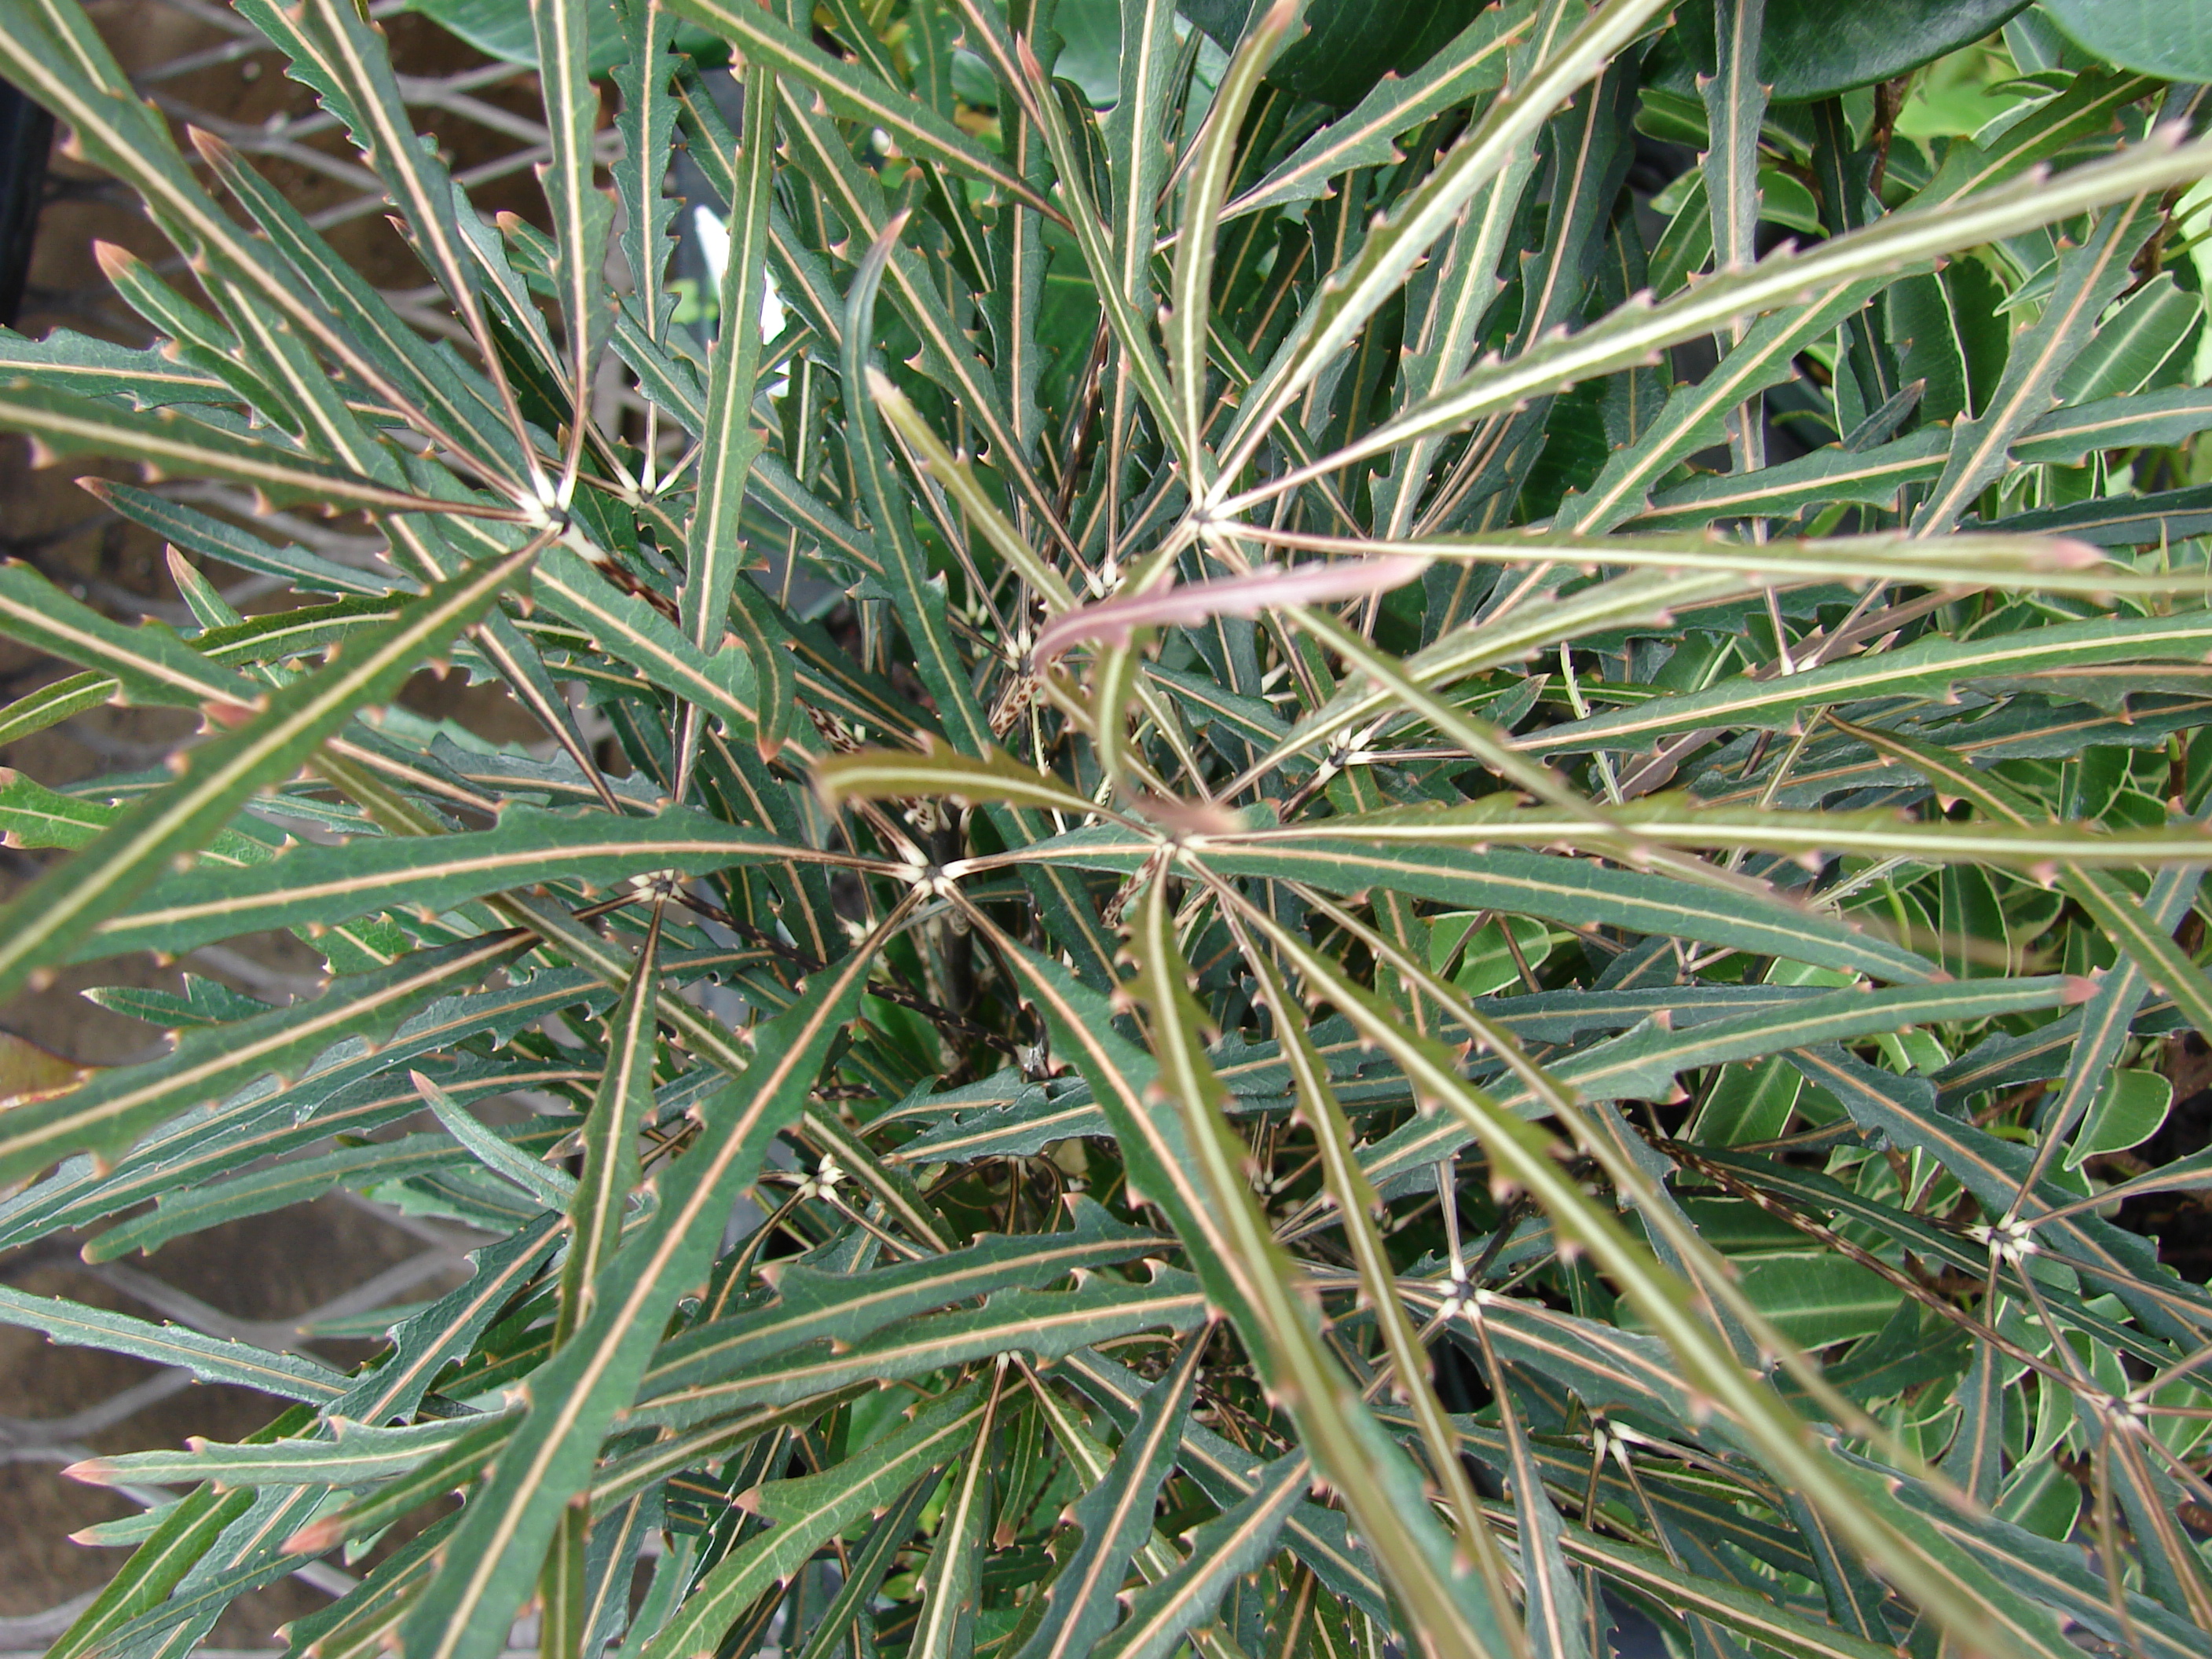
x: 316, y: 1279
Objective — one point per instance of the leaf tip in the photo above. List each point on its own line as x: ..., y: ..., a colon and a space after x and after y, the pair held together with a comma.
x: 315, y: 1537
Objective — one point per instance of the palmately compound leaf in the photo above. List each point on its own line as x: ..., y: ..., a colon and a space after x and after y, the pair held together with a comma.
x: 574, y: 1398
x: 114, y: 1107
x: 268, y: 745
x: 1227, y: 854
x: 1115, y: 1518
x: 803, y: 1512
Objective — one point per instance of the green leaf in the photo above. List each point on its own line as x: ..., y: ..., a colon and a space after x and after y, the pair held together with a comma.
x: 355, y: 1454
x: 297, y: 1181
x: 211, y: 1359
x: 452, y: 396
x: 812, y: 1306
x: 488, y: 1567
x: 1473, y: 63
x: 1643, y: 1062
x: 807, y: 1512
x: 714, y: 552
x: 115, y: 131
x: 960, y: 482
x: 1995, y: 1171
x: 200, y: 339
x: 426, y: 1343
x: 1136, y: 162
x: 212, y: 537
x: 118, y: 1105
x: 2059, y: 1576
x: 1191, y: 292
x: 1657, y: 1294
x: 1115, y: 1518
x: 355, y: 65
x: 645, y: 115
x: 920, y: 602
x: 1044, y: 1324
x: 647, y: 641
x: 1198, y: 1179
x: 2112, y: 906
x: 808, y: 598
x: 339, y: 1098
x: 1346, y: 47
x: 1694, y: 416
x: 2138, y: 35
x: 2129, y: 1111
x: 1747, y: 1614
x: 1812, y: 51
x: 1928, y: 667
x: 1815, y: 1299
x: 951, y: 1586
x: 2106, y: 1019
x: 220, y: 776
x: 144, y: 664
x: 1874, y: 477
x: 1229, y: 1474
x: 919, y: 130
x: 257, y: 640
x: 354, y: 1624
x: 2135, y: 343
x: 1735, y: 105
x: 2089, y: 278
x: 1113, y: 271
x: 188, y: 1529
x: 582, y: 214
x: 553, y: 1188
x: 870, y: 1562
x: 54, y: 702
x: 1222, y: 1550
x: 993, y: 776
x: 951, y: 361
x: 96, y: 369
x: 1355, y: 1200
x: 612, y: 1167
x: 165, y: 441
x: 430, y: 875
x: 2169, y: 515
x: 1575, y: 891
x: 501, y: 29
x: 1390, y: 250
x: 1629, y: 335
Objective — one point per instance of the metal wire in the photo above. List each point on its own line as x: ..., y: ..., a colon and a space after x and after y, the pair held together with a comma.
x: 440, y: 104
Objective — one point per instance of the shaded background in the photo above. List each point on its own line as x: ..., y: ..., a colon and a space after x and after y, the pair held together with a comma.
x: 302, y: 1278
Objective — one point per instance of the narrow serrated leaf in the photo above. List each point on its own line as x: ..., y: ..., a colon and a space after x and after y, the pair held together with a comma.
x: 487, y: 1570
x: 212, y: 1359
x: 812, y: 1508
x: 219, y: 776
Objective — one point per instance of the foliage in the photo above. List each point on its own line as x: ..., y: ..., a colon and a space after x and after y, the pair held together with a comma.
x: 1452, y: 884
x: 2138, y: 36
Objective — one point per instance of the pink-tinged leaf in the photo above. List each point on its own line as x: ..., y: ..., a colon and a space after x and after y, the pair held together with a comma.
x: 1115, y: 621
